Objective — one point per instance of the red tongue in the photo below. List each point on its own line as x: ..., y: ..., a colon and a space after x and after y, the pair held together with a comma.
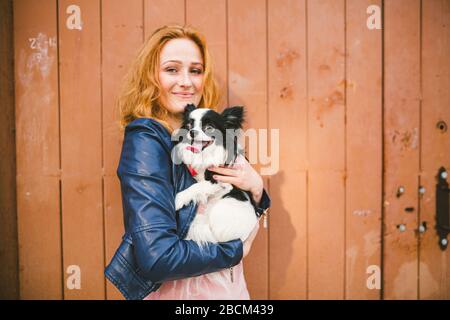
x: 192, y: 171
x: 193, y: 149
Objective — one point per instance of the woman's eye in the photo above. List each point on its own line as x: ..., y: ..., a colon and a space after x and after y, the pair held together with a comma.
x: 197, y: 71
x: 171, y: 70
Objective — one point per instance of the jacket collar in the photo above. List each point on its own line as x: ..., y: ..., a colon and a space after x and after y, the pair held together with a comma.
x: 156, y: 126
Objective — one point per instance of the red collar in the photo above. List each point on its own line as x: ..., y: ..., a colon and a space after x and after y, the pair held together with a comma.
x: 192, y: 171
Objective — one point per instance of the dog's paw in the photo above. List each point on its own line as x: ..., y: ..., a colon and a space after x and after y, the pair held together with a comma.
x: 180, y: 201
x: 201, y: 198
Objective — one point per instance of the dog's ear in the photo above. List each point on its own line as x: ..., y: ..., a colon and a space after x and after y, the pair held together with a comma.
x: 189, y: 108
x: 234, y: 117
x: 187, y: 111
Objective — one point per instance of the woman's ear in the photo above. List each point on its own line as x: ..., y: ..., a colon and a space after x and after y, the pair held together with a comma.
x: 234, y: 117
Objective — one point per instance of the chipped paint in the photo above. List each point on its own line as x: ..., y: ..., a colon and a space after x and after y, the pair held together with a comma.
x: 35, y: 67
x: 349, y: 84
x: 408, y: 139
x: 238, y: 79
x: 286, y: 58
x: 336, y: 98
x: 286, y: 92
x: 40, y: 61
x: 362, y: 212
x: 324, y: 67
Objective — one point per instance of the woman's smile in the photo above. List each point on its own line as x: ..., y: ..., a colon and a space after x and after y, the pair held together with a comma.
x: 181, y: 74
x: 183, y: 95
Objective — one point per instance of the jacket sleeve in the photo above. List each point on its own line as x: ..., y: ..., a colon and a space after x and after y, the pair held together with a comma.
x: 263, y: 205
x: 148, y: 197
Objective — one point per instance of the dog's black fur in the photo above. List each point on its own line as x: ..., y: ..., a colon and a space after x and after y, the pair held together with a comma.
x: 231, y: 118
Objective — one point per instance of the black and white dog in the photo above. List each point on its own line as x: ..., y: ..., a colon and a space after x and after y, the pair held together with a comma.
x: 208, y: 138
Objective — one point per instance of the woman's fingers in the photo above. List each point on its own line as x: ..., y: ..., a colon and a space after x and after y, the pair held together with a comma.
x: 227, y: 179
x: 225, y: 171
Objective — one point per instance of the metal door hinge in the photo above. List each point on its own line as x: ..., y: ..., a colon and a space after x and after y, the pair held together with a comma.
x: 442, y: 208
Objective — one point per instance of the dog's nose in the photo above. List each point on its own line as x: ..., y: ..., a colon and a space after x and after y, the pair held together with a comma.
x: 193, y: 133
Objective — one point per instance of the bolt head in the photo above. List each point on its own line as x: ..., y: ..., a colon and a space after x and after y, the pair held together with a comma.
x: 444, y: 242
x: 421, y: 229
x: 402, y: 228
x: 444, y: 175
x: 422, y: 190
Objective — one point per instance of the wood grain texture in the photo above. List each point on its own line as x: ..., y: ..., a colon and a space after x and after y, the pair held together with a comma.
x: 356, y: 112
x: 247, y: 86
x: 81, y: 150
x: 213, y: 26
x: 364, y: 144
x: 158, y: 13
x: 287, y: 74
x: 9, y: 277
x: 326, y: 149
x: 401, y: 147
x: 122, y: 36
x: 434, y: 264
x: 37, y: 145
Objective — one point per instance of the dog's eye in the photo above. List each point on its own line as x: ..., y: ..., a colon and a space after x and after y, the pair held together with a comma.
x: 188, y: 126
x: 209, y: 128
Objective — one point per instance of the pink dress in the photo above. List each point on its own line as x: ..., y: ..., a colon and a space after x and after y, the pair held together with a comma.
x: 219, y: 285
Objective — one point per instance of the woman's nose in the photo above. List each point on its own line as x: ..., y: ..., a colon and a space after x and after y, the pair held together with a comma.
x: 185, y: 80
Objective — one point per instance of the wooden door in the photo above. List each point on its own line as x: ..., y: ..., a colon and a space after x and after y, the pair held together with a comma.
x: 347, y: 112
x: 416, y: 70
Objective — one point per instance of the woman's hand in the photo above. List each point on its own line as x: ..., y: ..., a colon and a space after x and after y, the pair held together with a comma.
x: 242, y: 175
x: 248, y: 242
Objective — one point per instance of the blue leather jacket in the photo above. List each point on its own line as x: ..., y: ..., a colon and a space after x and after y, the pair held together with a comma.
x: 152, y: 250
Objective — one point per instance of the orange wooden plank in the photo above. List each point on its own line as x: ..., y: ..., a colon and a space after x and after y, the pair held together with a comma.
x: 214, y: 27
x: 122, y: 36
x: 326, y: 149
x: 247, y: 85
x: 38, y: 192
x: 287, y: 113
x: 9, y: 253
x: 81, y: 148
x: 401, y: 146
x: 364, y: 150
x: 434, y: 267
x: 114, y: 228
x: 287, y: 234
x: 161, y: 12
x: 326, y: 196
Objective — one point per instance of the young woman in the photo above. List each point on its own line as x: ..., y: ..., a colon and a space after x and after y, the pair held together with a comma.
x: 172, y: 70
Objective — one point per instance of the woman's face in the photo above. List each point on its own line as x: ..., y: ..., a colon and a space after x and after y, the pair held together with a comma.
x: 180, y: 74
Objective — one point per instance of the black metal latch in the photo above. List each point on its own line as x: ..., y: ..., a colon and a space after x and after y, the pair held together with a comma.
x: 442, y: 208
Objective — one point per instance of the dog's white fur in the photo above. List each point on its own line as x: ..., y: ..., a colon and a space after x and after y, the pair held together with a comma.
x: 223, y: 219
